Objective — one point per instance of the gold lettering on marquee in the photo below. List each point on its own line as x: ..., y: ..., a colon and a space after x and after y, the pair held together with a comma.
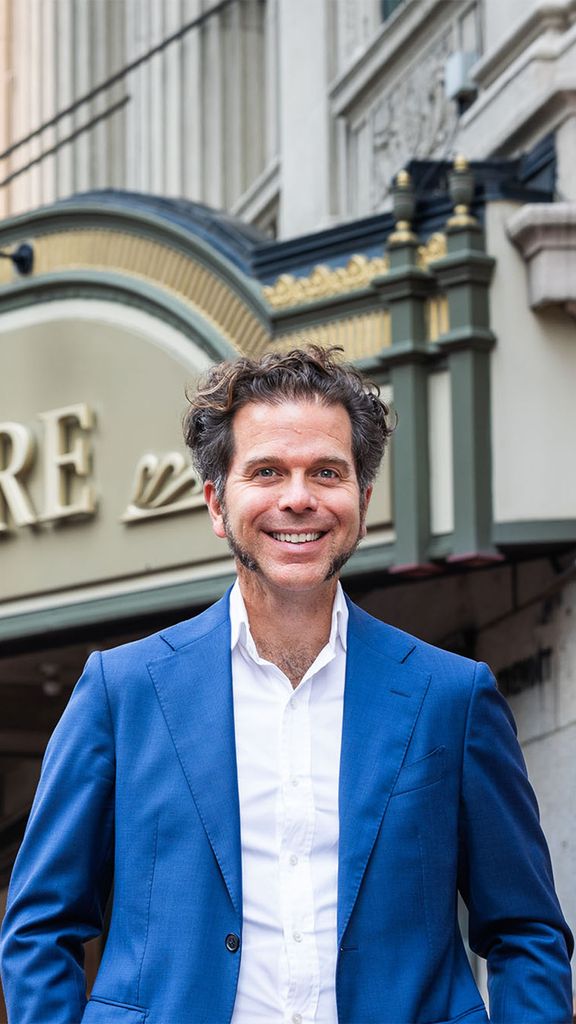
x: 162, y: 486
x: 16, y: 457
x: 67, y: 462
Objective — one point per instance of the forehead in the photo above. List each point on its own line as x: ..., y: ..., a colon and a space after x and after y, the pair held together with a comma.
x: 297, y: 423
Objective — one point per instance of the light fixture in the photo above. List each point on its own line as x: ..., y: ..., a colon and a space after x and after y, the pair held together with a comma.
x: 22, y: 258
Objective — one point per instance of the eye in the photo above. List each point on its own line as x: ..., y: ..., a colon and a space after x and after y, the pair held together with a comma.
x: 328, y: 474
x: 265, y: 472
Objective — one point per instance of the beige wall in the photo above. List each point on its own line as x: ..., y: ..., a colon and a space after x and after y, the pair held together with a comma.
x: 533, y: 370
x: 132, y: 374
x: 501, y: 18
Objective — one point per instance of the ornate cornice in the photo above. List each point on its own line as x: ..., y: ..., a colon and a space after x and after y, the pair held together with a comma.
x: 185, y: 276
x: 326, y: 282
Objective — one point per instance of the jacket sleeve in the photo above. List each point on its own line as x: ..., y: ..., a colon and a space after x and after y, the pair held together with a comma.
x: 61, y: 879
x: 506, y: 880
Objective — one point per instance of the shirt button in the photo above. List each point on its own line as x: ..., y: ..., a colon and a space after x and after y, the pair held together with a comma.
x: 293, y: 859
x: 232, y: 943
x: 295, y: 781
x: 296, y: 1018
x: 297, y: 936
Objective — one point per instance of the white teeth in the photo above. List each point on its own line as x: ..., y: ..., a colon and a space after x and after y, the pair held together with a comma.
x: 296, y: 538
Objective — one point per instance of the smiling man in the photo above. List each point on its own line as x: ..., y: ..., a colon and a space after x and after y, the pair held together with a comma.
x: 289, y: 793
x: 293, y: 513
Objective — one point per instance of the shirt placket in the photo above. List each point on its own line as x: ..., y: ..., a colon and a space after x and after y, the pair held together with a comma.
x: 297, y: 820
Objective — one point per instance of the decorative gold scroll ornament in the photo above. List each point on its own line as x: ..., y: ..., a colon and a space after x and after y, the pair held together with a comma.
x: 163, y: 486
x: 325, y: 282
x: 434, y: 249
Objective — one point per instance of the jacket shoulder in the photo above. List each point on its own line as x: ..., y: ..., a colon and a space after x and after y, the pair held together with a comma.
x: 406, y: 648
x: 139, y: 652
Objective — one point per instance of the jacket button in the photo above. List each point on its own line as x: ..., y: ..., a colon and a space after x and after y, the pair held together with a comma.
x: 232, y: 943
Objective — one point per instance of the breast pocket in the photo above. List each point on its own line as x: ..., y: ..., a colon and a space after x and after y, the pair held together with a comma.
x: 104, y: 1011
x: 423, y: 772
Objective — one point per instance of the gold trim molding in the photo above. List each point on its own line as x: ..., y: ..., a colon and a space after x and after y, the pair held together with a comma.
x: 434, y: 249
x: 202, y: 289
x: 437, y: 317
x: 325, y: 282
x: 178, y: 273
x: 365, y: 334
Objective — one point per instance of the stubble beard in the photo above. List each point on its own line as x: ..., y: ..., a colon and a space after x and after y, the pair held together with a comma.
x: 242, y: 556
x: 245, y: 559
x: 339, y: 561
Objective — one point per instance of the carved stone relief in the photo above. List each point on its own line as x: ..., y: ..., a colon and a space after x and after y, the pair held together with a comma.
x: 409, y: 119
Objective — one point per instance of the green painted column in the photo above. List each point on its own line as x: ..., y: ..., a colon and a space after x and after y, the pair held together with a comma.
x: 404, y: 290
x: 464, y: 275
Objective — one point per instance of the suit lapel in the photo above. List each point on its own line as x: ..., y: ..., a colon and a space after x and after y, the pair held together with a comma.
x: 194, y: 687
x: 382, y: 701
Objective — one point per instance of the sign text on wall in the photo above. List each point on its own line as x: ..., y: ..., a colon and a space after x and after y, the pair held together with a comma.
x: 162, y: 485
x: 66, y: 467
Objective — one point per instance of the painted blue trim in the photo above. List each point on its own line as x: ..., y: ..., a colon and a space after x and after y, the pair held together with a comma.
x: 250, y: 257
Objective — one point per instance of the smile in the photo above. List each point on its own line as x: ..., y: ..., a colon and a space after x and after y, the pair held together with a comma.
x: 296, y: 538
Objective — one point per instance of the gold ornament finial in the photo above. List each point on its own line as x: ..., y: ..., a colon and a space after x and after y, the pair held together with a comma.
x: 403, y: 206
x: 461, y: 187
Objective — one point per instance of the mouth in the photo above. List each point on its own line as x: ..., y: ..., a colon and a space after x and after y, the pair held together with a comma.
x: 297, y: 538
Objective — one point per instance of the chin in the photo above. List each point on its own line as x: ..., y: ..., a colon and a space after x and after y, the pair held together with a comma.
x: 300, y: 582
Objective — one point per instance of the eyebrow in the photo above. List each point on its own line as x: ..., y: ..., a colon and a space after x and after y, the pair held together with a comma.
x: 322, y: 460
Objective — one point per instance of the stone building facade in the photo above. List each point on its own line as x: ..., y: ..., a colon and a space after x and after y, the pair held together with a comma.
x: 194, y: 178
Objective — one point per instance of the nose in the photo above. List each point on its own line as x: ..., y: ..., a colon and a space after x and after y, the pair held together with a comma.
x: 297, y: 495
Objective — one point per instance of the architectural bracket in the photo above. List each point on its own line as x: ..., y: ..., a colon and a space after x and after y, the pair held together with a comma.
x: 545, y: 234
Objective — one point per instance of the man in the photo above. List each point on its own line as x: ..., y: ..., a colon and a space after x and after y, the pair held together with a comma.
x: 288, y: 792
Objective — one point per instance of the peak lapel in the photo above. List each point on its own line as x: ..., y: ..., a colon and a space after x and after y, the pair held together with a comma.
x: 382, y: 701
x: 194, y: 688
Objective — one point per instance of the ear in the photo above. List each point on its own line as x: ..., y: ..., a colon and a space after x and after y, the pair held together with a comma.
x: 364, y: 502
x: 214, y: 509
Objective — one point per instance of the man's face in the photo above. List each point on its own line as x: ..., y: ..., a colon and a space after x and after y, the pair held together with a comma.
x: 292, y: 510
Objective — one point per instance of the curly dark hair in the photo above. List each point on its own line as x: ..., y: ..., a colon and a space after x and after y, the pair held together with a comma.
x: 302, y: 374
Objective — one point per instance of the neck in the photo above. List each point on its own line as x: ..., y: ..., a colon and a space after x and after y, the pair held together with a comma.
x: 289, y: 629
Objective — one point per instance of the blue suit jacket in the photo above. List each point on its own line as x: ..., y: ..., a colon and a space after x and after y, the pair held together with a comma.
x: 140, y: 779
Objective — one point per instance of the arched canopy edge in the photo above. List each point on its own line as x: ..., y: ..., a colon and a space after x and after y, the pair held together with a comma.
x: 101, y: 246
x: 94, y: 215
x: 144, y: 247
x: 160, y: 266
x: 126, y: 291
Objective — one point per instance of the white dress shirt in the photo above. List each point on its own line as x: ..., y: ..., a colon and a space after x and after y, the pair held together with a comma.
x: 288, y: 755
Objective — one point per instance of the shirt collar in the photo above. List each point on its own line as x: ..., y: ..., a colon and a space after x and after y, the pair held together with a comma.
x: 240, y: 627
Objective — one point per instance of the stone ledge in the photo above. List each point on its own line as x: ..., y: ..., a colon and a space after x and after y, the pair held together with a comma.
x: 545, y: 234
x: 551, y: 18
